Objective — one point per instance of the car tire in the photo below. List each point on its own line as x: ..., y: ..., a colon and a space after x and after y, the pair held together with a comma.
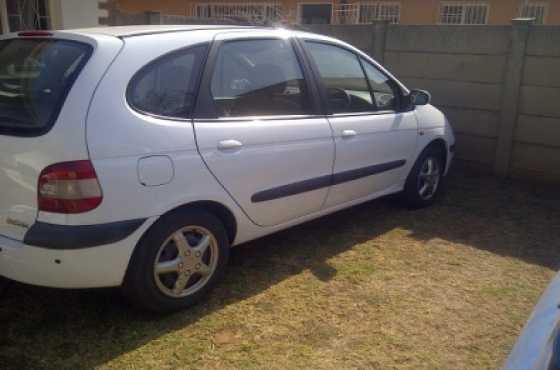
x: 424, y: 183
x: 177, y: 262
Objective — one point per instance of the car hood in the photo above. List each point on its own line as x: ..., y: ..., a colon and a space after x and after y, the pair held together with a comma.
x: 534, y: 348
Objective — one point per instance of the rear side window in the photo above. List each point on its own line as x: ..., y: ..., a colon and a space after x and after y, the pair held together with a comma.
x: 35, y: 77
x: 167, y: 86
x: 259, y: 78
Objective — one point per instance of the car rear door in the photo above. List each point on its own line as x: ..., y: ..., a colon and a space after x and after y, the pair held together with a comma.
x: 375, y: 142
x: 258, y: 127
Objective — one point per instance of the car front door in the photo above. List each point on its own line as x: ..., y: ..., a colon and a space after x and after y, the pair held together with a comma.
x: 375, y: 141
x: 259, y: 130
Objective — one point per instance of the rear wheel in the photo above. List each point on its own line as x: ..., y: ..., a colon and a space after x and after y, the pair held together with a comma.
x: 177, y: 262
x: 424, y: 183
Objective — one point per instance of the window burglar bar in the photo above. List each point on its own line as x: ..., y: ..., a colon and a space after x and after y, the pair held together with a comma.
x: 346, y: 14
x: 380, y: 12
x: 27, y: 14
x: 534, y: 10
x: 250, y: 11
x: 459, y: 13
x: 367, y: 12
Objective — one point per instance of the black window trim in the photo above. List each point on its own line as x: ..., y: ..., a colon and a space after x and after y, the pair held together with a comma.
x: 392, y: 84
x: 206, y: 111
x: 368, y: 82
x: 321, y: 86
x: 261, y: 118
x: 55, y: 114
x: 198, y: 79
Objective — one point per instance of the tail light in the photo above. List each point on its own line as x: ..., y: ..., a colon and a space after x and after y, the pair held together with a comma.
x: 69, y: 187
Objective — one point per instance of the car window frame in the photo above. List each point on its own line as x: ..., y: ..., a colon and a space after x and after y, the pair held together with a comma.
x: 392, y: 84
x: 206, y: 109
x: 146, y: 66
x: 322, y: 90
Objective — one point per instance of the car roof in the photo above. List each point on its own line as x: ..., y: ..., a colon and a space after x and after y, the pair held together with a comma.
x: 129, y: 31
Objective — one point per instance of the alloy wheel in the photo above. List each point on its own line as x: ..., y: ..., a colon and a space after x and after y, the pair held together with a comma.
x: 186, y: 261
x: 429, y: 178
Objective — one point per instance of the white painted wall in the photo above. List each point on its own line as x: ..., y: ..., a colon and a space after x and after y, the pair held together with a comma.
x: 67, y: 14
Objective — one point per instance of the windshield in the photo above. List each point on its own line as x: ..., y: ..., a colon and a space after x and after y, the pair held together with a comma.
x: 35, y: 77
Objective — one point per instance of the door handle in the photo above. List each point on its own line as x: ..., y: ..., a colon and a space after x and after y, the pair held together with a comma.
x: 349, y: 133
x: 229, y: 144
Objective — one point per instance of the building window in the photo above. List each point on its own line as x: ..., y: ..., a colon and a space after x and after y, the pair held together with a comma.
x: 27, y: 15
x: 535, y: 10
x: 248, y: 11
x: 463, y: 13
x: 319, y: 13
x: 367, y: 12
x: 380, y: 11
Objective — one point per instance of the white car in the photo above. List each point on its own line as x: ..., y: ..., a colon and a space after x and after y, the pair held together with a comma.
x: 137, y: 156
x: 538, y: 347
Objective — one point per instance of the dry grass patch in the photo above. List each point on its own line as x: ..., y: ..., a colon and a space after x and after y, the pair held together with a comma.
x: 376, y: 286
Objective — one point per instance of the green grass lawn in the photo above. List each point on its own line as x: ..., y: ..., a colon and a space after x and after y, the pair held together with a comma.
x: 376, y: 286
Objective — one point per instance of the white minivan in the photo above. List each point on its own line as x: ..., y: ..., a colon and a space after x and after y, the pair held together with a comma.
x: 137, y: 156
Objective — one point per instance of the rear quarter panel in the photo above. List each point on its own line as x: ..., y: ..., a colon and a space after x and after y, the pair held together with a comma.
x: 23, y: 159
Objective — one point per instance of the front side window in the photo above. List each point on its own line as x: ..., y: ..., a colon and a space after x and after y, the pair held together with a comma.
x: 382, y: 88
x: 343, y: 78
x: 258, y: 78
x: 167, y: 87
x: 35, y: 77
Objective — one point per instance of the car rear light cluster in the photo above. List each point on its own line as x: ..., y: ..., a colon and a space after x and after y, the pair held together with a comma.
x: 69, y: 187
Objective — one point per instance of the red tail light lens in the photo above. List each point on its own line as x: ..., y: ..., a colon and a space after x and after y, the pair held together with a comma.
x: 69, y: 187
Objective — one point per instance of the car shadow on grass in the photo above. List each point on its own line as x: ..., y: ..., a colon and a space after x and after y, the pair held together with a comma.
x: 49, y: 328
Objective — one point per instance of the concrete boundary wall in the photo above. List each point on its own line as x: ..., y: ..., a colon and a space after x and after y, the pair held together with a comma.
x: 498, y: 85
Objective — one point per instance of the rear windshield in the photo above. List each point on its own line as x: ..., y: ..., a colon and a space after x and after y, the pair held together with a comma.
x: 35, y: 77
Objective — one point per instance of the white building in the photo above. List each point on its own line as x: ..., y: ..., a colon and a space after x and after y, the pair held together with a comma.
x: 17, y: 15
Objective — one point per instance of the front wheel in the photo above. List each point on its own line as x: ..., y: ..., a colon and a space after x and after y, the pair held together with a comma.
x: 424, y: 183
x: 177, y: 262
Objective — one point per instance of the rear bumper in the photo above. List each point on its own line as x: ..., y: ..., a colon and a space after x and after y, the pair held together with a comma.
x: 86, y: 267
x: 79, y: 237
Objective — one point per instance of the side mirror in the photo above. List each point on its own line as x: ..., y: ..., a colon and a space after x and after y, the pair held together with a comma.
x: 420, y: 97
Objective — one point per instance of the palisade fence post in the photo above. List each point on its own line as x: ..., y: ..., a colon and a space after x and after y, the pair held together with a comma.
x: 521, y: 27
x: 379, y: 40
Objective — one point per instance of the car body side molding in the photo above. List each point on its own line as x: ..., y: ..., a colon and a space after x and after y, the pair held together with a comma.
x: 324, y: 181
